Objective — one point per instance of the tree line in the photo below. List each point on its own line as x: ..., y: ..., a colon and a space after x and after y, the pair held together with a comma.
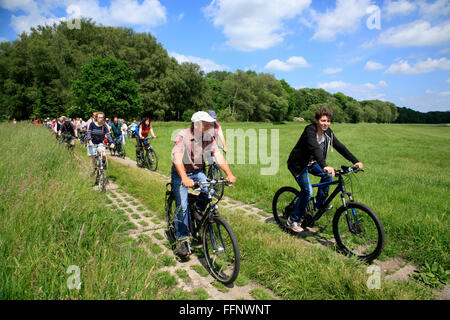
x: 56, y: 70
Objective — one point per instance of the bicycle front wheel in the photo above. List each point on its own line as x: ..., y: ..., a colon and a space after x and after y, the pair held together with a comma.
x: 215, y: 173
x: 358, y: 231
x: 152, y: 160
x: 221, y: 250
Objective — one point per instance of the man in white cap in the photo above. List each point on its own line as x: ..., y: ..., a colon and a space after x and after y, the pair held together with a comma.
x: 188, y: 161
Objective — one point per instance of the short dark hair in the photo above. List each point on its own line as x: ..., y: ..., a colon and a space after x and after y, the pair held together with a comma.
x: 323, y: 112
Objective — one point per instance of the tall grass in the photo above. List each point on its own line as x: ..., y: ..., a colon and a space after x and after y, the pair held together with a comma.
x: 51, y: 219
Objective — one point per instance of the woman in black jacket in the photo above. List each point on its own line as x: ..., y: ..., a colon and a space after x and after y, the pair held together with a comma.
x: 309, y: 156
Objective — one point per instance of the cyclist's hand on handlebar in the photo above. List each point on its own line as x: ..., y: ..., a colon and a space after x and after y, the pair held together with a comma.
x: 329, y: 170
x: 231, y: 179
x: 359, y: 165
x: 91, y: 144
x: 188, y: 183
x: 111, y: 145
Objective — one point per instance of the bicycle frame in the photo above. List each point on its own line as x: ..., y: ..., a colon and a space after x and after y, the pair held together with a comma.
x: 339, y: 189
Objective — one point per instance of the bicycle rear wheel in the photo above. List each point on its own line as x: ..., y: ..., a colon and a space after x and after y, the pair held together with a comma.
x: 170, y: 207
x: 358, y: 231
x: 283, y: 205
x: 221, y: 250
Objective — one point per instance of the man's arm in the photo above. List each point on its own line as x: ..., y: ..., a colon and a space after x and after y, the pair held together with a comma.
x: 223, y: 164
x: 179, y: 166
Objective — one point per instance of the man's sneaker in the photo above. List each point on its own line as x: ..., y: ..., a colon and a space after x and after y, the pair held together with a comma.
x: 294, y: 226
x: 182, y: 249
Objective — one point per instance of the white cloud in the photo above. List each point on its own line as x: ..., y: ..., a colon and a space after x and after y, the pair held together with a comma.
x: 289, y: 65
x: 416, y: 33
x: 334, y: 85
x: 332, y: 70
x: 3, y: 39
x: 345, y: 18
x: 149, y: 13
x: 373, y: 65
x: 180, y: 16
x: 445, y: 93
x: 448, y: 80
x: 444, y: 51
x: 425, y: 103
x: 206, y: 64
x: 365, y: 91
x: 434, y: 10
x: 428, y: 91
x: 429, y: 65
x: 144, y: 15
x: 254, y: 24
x: 398, y: 8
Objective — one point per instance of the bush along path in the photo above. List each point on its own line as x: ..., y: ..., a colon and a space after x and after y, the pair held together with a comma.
x: 394, y: 269
x: 192, y: 275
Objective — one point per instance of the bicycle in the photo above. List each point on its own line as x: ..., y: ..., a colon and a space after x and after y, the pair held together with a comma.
x: 100, y: 167
x: 83, y: 137
x: 68, y: 140
x: 216, y: 235
x: 115, y: 150
x: 148, y: 157
x: 213, y: 172
x: 356, y: 228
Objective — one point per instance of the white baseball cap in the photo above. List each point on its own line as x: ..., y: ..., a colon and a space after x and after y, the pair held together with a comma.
x: 202, y: 116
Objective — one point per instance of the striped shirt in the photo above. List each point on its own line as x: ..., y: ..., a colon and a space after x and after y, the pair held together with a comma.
x: 97, y: 134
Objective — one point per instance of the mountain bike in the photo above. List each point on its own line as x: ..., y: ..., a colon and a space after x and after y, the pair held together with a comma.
x: 119, y: 148
x: 100, y: 167
x: 147, y: 158
x: 219, y: 242
x: 356, y: 228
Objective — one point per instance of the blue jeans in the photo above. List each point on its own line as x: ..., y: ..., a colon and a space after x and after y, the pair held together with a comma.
x: 182, y: 216
x: 307, y: 190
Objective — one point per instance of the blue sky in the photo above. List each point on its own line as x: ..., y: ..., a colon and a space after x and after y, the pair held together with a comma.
x: 394, y: 50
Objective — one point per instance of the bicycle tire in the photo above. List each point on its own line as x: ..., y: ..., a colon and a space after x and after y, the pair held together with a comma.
x: 170, y: 215
x: 152, y: 160
x: 215, y: 173
x: 230, y: 259
x: 282, y: 211
x: 353, y: 244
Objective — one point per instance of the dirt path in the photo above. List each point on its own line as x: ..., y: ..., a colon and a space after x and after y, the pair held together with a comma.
x: 395, y: 269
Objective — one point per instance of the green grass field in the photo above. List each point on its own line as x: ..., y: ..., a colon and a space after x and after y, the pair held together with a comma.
x: 52, y: 219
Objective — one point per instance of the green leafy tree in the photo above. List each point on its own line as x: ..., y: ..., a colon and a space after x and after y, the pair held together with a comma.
x: 108, y: 85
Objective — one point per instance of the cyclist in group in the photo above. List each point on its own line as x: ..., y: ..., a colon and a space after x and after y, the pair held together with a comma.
x: 124, y: 130
x: 142, y: 132
x: 309, y: 156
x: 188, y: 161
x: 67, y: 131
x: 218, y: 130
x: 116, y: 131
x: 132, y: 127
x: 95, y: 134
x: 58, y: 125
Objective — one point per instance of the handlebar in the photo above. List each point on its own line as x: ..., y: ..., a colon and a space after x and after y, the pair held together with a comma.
x: 208, y: 183
x: 347, y: 169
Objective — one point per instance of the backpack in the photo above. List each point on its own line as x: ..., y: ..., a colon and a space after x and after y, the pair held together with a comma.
x: 136, y: 131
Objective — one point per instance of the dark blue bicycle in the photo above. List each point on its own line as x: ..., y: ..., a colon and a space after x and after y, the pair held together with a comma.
x: 356, y: 228
x: 147, y: 157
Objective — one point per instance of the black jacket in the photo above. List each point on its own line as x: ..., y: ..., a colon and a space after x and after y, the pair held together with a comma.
x: 307, y: 147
